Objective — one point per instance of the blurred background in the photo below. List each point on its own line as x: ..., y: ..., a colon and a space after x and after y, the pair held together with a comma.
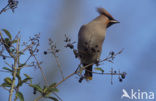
x: 136, y: 33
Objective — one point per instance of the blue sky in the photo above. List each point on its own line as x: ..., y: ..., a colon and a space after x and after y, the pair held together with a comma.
x: 136, y: 33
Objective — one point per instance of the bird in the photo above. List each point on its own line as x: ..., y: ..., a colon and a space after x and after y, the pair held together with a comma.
x: 90, y: 40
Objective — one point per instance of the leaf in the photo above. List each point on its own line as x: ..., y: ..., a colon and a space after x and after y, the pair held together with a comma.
x: 50, y: 89
x: 21, y: 53
x: 8, y: 80
x: 7, y: 33
x: 14, y: 41
x: 20, y: 96
x: 5, y: 85
x: 45, y: 89
x: 28, y: 77
x: 25, y: 80
x: 53, y: 90
x: 37, y: 87
x: 7, y: 42
x: 8, y: 69
x: 52, y: 98
x: 21, y: 65
x: 52, y: 85
x: 99, y: 69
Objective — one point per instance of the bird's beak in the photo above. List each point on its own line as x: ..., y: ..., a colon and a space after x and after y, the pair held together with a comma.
x: 114, y: 21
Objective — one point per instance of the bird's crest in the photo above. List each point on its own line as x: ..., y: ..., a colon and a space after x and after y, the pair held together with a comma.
x: 102, y: 11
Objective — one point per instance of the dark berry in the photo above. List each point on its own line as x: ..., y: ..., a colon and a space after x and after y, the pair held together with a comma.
x: 120, y: 80
x: 112, y: 53
x: 123, y: 75
x: 57, y: 51
x: 45, y: 52
x: 4, y: 57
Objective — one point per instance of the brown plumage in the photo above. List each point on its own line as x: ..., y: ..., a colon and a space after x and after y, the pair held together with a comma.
x: 90, y: 40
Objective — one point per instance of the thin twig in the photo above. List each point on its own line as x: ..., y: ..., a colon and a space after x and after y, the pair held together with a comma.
x: 43, y: 75
x: 104, y: 73
x: 29, y: 46
x: 7, y: 64
x: 4, y: 9
x: 111, y: 76
x: 58, y: 64
x: 30, y: 54
x: 64, y: 79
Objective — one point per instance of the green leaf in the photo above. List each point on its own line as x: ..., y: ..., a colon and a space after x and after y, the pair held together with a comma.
x: 7, y: 42
x: 5, y: 85
x: 8, y: 69
x: 21, y: 53
x: 45, y: 89
x: 50, y: 89
x: 14, y: 41
x: 25, y: 80
x: 20, y: 96
x: 53, y: 89
x: 8, y: 80
x: 52, y: 98
x: 28, y: 77
x: 37, y: 87
x: 7, y: 33
x: 99, y: 69
x: 21, y: 65
x: 52, y: 85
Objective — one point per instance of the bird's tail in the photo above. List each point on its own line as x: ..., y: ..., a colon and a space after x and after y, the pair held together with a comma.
x: 88, y: 73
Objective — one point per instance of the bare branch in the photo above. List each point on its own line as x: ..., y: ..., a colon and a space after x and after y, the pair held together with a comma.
x: 54, y: 50
x: 12, y: 4
x: 43, y: 75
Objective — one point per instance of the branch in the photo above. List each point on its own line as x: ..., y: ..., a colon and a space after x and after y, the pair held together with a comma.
x: 58, y: 64
x: 4, y: 9
x: 12, y: 4
x: 44, y: 77
x: 54, y: 50
x: 14, y: 72
x: 84, y: 68
x: 65, y: 79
